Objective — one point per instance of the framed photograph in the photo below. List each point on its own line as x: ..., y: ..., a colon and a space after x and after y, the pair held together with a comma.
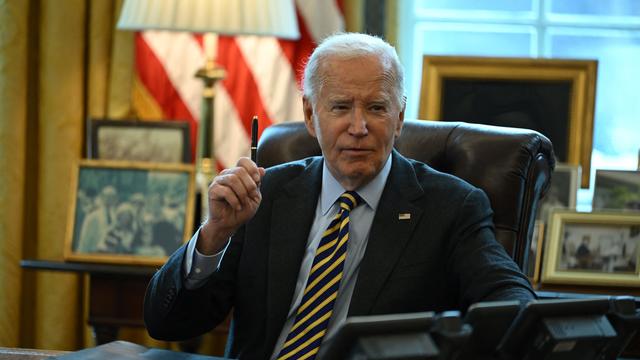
x: 555, y: 97
x: 132, y: 140
x: 129, y: 212
x: 562, y: 192
x: 535, y: 253
x: 600, y: 249
x: 617, y: 190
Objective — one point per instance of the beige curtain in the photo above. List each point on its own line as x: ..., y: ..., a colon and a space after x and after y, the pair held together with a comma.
x: 13, y: 113
x: 60, y: 62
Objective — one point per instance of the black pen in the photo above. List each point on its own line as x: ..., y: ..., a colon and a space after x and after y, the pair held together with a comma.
x: 254, y: 139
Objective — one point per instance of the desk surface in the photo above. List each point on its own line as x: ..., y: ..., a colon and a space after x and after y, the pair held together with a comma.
x: 87, y: 267
x: 27, y: 354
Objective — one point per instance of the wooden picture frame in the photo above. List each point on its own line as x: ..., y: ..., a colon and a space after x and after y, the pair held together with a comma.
x: 129, y: 212
x: 563, y: 190
x: 595, y: 249
x: 616, y: 190
x: 555, y: 97
x: 134, y: 140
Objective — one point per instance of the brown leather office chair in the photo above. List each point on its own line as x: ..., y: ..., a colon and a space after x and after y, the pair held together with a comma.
x: 513, y: 166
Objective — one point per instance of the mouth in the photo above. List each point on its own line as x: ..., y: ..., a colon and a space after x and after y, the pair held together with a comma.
x: 353, y: 151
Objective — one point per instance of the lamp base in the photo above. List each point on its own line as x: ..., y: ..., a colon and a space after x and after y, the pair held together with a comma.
x: 205, y: 172
x: 205, y: 162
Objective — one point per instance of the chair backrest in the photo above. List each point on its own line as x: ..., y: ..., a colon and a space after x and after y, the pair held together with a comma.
x: 513, y: 166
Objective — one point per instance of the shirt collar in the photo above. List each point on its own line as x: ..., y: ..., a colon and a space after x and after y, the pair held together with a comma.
x: 370, y: 192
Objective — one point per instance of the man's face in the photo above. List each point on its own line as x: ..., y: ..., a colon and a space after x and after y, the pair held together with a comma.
x: 356, y: 118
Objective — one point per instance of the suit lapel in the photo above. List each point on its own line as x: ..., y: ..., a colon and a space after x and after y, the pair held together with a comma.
x: 389, y: 234
x: 292, y: 215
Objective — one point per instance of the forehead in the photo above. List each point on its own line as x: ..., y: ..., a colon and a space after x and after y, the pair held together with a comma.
x: 362, y: 74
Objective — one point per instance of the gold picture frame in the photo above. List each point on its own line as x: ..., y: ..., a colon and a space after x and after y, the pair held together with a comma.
x: 164, y: 141
x: 556, y: 96
x: 562, y: 192
x: 616, y: 190
x: 595, y: 249
x: 134, y: 213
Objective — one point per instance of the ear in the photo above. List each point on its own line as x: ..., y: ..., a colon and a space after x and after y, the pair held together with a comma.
x: 307, y: 108
x: 400, y: 121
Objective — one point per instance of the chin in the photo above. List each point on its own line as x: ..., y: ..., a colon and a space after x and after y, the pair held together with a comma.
x: 360, y: 176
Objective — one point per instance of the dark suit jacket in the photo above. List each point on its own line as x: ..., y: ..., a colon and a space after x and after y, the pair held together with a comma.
x: 444, y: 257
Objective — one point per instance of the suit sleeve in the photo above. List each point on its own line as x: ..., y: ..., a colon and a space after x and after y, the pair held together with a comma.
x: 173, y: 312
x: 479, y: 263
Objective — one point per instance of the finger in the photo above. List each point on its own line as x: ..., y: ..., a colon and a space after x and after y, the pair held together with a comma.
x: 226, y: 194
x: 248, y: 182
x: 252, y: 182
x: 251, y: 168
x: 234, y: 181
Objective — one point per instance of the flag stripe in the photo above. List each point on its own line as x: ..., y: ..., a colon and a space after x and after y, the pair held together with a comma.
x: 231, y: 139
x: 240, y: 84
x: 281, y: 101
x: 152, y: 74
x: 298, y: 51
x: 322, y: 18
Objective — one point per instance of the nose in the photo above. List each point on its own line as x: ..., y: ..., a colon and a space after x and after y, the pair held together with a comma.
x: 358, y: 123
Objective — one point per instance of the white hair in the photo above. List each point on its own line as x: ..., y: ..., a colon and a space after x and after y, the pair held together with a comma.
x: 347, y: 46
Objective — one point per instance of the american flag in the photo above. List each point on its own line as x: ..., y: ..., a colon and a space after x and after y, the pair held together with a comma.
x: 263, y: 77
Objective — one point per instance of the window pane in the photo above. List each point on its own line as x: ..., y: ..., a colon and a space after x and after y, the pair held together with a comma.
x: 500, y: 5
x: 475, y: 39
x: 617, y: 123
x: 596, y: 7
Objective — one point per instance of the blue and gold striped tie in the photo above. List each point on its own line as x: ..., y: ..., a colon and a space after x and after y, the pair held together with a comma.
x: 323, y: 283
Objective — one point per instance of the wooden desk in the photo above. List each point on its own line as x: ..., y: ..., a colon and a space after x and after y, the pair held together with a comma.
x: 27, y: 354
x: 116, y: 296
x: 112, y: 350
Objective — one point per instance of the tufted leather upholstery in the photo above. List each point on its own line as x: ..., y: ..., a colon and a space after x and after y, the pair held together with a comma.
x: 513, y: 166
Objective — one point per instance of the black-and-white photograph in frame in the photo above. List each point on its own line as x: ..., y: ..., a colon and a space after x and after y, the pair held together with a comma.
x: 562, y: 192
x: 129, y: 212
x: 606, y: 248
x: 164, y: 141
x: 616, y: 190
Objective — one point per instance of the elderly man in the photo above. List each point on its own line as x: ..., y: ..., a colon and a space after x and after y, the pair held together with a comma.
x: 297, y: 248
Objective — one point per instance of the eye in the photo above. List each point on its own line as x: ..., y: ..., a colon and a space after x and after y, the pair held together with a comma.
x: 339, y: 107
x: 378, y: 107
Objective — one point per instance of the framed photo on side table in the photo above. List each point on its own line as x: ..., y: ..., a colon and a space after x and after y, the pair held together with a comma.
x: 562, y: 192
x: 600, y: 249
x: 617, y: 190
x: 133, y: 140
x: 553, y: 96
x: 129, y: 212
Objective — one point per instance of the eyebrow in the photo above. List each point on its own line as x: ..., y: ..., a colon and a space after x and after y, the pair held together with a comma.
x: 337, y: 99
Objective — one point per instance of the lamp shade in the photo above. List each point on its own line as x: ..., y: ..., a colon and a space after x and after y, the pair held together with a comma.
x: 224, y: 17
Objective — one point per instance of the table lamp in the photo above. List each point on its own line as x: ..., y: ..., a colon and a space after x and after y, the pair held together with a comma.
x: 221, y: 17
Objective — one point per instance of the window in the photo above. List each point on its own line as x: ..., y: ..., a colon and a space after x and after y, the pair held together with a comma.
x: 608, y: 31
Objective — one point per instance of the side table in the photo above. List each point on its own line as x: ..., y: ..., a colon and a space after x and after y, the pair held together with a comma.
x: 116, y: 295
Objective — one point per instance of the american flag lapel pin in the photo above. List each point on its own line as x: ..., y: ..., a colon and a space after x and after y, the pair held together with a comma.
x: 404, y: 216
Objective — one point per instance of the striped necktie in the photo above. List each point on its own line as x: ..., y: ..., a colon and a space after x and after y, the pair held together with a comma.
x: 316, y: 307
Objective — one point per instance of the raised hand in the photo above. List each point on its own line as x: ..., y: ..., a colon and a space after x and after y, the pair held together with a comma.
x: 234, y: 197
